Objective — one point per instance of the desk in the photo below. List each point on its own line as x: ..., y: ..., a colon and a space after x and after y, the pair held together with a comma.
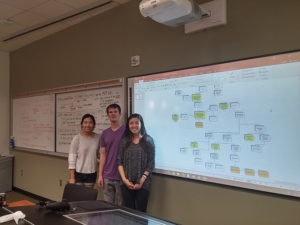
x: 4, y: 212
x: 95, y: 212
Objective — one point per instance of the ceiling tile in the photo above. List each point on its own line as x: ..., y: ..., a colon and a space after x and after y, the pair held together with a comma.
x: 102, y: 9
x: 17, y: 16
x: 7, y: 11
x: 23, y: 4
x: 7, y: 30
x: 52, y: 9
x: 55, y: 27
x: 78, y: 19
x: 29, y: 18
x: 82, y: 4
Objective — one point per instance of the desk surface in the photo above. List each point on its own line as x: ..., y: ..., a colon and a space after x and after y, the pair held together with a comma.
x: 36, y: 215
x: 4, y: 212
x: 87, y: 212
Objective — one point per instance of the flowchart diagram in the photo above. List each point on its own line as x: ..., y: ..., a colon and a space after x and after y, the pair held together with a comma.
x: 232, y: 125
x: 212, y: 141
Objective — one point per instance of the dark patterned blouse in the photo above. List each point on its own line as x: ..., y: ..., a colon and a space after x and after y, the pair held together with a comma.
x: 136, y: 159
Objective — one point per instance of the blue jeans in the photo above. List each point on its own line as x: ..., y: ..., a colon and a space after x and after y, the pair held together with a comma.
x: 112, y: 191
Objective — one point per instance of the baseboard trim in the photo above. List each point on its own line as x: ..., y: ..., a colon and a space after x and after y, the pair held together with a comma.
x: 29, y: 194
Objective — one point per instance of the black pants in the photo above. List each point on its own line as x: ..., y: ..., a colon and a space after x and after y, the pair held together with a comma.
x: 135, y: 199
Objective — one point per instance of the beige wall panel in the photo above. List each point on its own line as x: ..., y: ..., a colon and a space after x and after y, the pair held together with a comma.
x: 40, y: 174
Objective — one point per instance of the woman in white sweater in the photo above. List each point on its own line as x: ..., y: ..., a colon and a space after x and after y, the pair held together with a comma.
x: 83, y: 154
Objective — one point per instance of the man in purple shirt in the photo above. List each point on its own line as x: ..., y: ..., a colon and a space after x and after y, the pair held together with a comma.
x: 109, y: 177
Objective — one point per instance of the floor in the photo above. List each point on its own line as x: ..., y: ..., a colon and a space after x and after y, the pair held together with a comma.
x: 14, y: 196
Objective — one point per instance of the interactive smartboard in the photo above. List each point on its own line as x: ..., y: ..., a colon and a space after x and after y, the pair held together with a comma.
x: 234, y: 123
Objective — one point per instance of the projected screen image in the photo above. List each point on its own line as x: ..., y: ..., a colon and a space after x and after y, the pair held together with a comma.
x: 235, y: 123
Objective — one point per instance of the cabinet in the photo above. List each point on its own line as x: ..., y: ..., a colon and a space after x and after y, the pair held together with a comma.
x: 6, y: 163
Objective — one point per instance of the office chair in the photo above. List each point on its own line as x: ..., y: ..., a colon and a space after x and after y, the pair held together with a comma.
x: 73, y: 192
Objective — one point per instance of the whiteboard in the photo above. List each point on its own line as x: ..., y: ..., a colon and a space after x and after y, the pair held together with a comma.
x: 33, y: 122
x: 71, y: 106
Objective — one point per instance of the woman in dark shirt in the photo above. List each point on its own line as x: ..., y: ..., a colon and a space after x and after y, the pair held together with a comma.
x: 135, y: 163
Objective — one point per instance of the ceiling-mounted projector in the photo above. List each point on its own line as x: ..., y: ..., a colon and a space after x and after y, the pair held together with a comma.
x: 171, y: 12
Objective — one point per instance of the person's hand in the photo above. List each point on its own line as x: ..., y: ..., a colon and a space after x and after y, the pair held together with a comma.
x: 128, y: 184
x: 72, y: 181
x: 100, y: 181
x: 140, y: 185
x: 137, y: 186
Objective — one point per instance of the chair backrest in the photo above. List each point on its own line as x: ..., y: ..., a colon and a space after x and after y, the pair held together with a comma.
x: 73, y: 193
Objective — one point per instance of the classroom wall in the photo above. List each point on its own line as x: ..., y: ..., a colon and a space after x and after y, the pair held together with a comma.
x: 100, y: 49
x: 4, y: 103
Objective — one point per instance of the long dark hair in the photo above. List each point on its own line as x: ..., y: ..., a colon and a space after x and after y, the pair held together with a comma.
x: 128, y: 135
